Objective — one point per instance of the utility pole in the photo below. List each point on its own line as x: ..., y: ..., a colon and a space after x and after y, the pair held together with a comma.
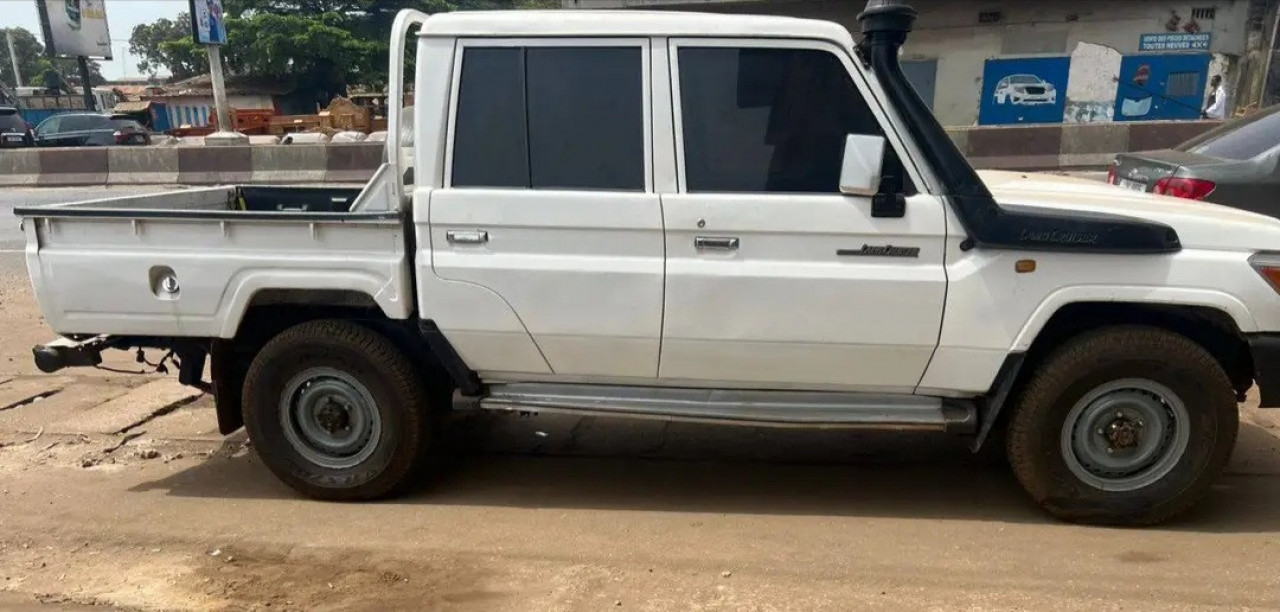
x: 89, y: 103
x: 13, y: 57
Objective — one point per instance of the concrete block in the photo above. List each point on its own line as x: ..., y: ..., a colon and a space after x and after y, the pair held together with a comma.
x: 73, y: 166
x: 142, y: 165
x: 1153, y: 135
x: 1015, y: 147
x: 352, y: 162
x: 960, y: 136
x: 19, y: 167
x: 215, y: 165
x: 64, y: 406
x: 1092, y: 145
x: 129, y: 410
x: 293, y: 164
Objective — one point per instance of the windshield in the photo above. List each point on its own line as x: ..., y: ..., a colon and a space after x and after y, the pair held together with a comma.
x: 1244, y: 138
x: 11, y: 121
x: 1023, y: 80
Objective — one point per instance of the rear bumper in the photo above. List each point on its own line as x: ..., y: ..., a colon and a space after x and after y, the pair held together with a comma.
x: 1266, y: 367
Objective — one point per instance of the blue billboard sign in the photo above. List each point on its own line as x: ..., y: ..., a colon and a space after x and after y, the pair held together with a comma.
x: 1161, y: 87
x: 1024, y: 90
x: 1175, y: 41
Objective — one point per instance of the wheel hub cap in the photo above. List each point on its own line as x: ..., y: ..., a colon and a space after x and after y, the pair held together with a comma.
x: 1125, y: 435
x: 330, y: 418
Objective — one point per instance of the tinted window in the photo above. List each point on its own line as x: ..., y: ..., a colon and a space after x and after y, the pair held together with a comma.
x: 550, y: 118
x: 127, y: 124
x: 1240, y: 140
x: 10, y: 121
x: 491, y: 147
x: 769, y: 120
x: 49, y: 126
x: 75, y: 123
x: 586, y: 118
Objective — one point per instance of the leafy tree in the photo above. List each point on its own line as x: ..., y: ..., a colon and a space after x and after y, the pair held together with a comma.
x: 160, y: 46
x: 35, y: 67
x: 318, y: 45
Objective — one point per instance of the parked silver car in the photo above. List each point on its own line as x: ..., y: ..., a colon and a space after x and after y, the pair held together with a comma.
x: 1236, y: 164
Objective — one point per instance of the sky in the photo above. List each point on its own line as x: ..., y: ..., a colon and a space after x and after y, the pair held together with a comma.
x: 122, y: 15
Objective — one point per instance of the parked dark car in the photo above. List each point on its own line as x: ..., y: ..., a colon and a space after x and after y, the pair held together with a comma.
x: 14, y: 131
x: 90, y: 130
x: 1236, y: 164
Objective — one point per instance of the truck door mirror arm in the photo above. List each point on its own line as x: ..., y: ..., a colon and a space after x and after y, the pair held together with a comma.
x: 889, y: 202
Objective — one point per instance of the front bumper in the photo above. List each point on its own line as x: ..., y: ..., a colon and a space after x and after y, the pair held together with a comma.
x: 1266, y: 367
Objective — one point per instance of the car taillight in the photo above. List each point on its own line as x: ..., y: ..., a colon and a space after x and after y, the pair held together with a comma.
x: 1268, y: 265
x: 1188, y: 188
x: 1111, y: 174
x: 120, y: 137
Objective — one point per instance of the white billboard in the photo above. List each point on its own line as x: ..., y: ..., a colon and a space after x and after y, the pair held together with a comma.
x: 73, y: 28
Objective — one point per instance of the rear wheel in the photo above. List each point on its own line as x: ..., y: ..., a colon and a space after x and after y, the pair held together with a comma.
x: 1126, y: 425
x: 336, y: 411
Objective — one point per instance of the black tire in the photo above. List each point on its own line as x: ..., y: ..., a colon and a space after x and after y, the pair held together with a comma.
x: 365, y: 366
x: 1043, y: 451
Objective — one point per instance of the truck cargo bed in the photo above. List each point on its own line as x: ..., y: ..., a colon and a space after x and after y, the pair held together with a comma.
x: 189, y: 263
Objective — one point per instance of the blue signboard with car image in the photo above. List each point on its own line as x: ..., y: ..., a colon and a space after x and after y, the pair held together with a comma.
x: 1024, y: 90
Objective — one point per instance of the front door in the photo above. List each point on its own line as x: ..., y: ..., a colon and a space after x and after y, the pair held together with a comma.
x: 548, y: 204
x: 775, y: 279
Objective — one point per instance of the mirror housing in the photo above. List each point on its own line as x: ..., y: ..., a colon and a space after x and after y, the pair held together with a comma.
x: 862, y: 165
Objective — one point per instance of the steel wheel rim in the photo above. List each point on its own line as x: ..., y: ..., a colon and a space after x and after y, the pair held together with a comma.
x: 330, y: 418
x: 1126, y: 434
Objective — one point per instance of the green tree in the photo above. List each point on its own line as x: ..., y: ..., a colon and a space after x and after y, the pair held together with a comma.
x: 160, y: 45
x: 35, y: 67
x: 318, y: 45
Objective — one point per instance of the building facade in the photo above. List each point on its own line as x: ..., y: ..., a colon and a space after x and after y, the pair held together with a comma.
x: 1051, y: 61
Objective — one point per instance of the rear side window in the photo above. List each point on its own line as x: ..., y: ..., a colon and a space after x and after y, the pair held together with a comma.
x: 74, y: 123
x: 769, y: 120
x: 550, y: 118
x: 127, y: 124
x: 1242, y: 140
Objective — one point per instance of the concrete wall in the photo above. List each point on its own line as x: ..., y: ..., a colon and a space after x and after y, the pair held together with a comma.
x: 949, y: 31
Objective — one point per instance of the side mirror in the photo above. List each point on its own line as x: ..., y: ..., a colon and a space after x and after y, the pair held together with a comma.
x: 863, y: 162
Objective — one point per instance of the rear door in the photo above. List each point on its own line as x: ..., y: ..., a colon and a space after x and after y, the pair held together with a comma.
x: 774, y: 278
x: 47, y: 132
x: 548, y: 203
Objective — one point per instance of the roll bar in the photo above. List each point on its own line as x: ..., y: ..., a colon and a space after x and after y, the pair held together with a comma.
x: 405, y: 20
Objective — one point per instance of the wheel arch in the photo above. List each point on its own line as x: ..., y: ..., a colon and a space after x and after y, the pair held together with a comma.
x: 1215, y: 329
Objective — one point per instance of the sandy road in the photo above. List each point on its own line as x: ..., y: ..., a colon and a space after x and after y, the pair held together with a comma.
x: 115, y: 491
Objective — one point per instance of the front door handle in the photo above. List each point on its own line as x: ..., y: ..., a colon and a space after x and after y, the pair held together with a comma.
x: 715, y: 243
x: 471, y: 237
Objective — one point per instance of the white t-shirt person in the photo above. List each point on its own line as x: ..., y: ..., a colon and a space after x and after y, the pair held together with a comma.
x: 1217, y: 107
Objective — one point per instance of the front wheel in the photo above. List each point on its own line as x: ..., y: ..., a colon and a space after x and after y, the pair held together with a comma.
x: 336, y: 411
x: 1123, y: 426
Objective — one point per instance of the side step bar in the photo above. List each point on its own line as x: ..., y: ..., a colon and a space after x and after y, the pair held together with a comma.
x: 758, y: 408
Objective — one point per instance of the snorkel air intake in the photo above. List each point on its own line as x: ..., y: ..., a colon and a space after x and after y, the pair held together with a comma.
x: 885, y: 25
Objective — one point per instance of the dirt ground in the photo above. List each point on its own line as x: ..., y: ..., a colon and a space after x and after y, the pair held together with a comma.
x: 116, y: 491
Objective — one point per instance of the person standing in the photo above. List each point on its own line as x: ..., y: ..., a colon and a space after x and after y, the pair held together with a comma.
x: 1217, y: 103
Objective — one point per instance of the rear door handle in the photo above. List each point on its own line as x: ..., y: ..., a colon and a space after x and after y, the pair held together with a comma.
x: 716, y: 243
x: 470, y: 237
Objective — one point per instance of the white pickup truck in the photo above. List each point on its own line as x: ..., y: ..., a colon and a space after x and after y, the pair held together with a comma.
x: 745, y: 220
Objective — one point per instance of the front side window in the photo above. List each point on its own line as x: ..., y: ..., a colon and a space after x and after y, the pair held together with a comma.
x: 769, y: 120
x: 550, y: 118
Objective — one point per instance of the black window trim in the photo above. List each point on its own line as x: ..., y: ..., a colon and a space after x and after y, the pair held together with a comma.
x: 894, y: 134
x: 646, y: 69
